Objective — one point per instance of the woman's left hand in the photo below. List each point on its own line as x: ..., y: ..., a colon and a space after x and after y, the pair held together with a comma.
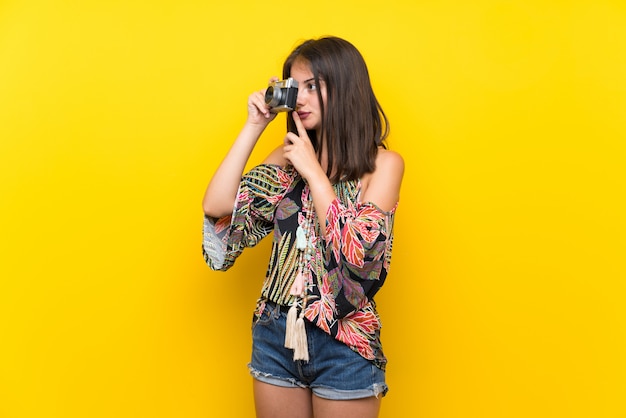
x: 299, y: 152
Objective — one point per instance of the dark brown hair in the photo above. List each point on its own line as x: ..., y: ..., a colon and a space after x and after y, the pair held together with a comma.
x: 353, y: 121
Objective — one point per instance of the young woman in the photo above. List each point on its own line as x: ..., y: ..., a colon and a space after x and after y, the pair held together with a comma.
x: 329, y: 193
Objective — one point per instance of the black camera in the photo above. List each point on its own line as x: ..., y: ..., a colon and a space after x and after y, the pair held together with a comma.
x: 281, y: 96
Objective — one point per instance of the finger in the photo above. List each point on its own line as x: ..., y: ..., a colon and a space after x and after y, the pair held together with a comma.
x: 258, y: 100
x: 299, y: 126
x: 286, y: 150
x: 290, y: 138
x: 265, y: 109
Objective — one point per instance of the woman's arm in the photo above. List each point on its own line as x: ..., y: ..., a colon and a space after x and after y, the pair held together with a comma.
x: 221, y: 192
x: 359, y: 236
x: 382, y: 187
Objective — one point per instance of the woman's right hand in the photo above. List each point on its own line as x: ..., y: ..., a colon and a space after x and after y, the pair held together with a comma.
x: 258, y: 111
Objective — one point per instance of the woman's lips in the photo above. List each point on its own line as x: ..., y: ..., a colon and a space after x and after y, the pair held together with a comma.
x: 303, y: 115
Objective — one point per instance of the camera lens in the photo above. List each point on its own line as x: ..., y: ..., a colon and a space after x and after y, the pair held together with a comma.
x: 269, y: 94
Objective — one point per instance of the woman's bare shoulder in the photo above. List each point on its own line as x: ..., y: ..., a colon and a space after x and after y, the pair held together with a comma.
x: 382, y: 187
x: 276, y: 157
x: 388, y: 159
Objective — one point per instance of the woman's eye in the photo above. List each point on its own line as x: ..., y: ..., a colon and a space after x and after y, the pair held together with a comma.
x: 311, y: 86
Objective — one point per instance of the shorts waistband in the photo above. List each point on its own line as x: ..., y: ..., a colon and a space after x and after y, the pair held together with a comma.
x: 274, y: 305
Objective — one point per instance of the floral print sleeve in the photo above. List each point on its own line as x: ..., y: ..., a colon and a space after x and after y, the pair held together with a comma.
x: 260, y: 190
x: 358, y: 250
x: 355, y: 258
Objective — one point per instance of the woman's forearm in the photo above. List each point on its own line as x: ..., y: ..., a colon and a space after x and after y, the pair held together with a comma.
x: 221, y: 192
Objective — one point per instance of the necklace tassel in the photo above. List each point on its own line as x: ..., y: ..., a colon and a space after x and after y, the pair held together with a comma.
x: 290, y: 330
x: 300, y: 238
x: 295, y: 332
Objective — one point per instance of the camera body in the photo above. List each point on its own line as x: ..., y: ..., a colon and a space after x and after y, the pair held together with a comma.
x: 281, y: 95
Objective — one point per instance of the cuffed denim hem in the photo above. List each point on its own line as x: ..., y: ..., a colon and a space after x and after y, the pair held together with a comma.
x: 376, y: 390
x: 285, y: 382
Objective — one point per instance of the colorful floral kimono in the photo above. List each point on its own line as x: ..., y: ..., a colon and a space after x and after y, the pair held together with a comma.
x: 346, y: 267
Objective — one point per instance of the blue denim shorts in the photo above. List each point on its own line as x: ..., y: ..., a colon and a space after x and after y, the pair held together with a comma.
x: 334, y: 371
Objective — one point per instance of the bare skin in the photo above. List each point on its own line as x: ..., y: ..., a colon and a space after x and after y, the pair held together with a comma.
x: 278, y: 402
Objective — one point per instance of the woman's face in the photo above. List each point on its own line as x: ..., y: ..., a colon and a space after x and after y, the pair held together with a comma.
x: 308, y: 105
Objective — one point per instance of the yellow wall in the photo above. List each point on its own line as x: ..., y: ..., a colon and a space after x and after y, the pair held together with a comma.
x: 506, y: 294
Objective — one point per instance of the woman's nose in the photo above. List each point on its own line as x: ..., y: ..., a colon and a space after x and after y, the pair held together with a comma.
x: 301, y: 98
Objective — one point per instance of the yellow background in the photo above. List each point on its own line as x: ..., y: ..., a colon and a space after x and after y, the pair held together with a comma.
x: 506, y: 293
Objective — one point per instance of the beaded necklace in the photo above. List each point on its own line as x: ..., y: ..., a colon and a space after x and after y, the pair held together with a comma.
x: 295, y: 333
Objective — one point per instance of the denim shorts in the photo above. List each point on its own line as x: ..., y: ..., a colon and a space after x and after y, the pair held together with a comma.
x: 334, y: 371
